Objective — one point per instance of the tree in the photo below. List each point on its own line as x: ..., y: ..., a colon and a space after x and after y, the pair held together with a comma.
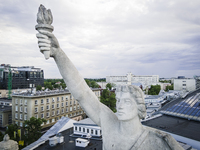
x: 48, y: 85
x: 33, y: 129
x: 1, y: 136
x: 110, y: 85
x: 169, y: 87
x: 38, y: 88
x: 63, y: 85
x: 10, y: 131
x: 108, y: 98
x: 92, y: 83
x: 154, y: 90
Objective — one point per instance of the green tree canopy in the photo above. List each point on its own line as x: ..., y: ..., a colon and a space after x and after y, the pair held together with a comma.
x: 169, y: 87
x: 10, y: 131
x: 108, y: 98
x: 92, y: 83
x: 38, y: 88
x: 33, y: 129
x: 154, y: 90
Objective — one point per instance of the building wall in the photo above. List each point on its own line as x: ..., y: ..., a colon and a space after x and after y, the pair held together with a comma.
x: 50, y: 107
x: 5, y: 118
x: 184, y: 84
x: 130, y: 78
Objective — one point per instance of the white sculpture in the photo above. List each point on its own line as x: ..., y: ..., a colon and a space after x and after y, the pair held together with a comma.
x: 8, y: 144
x: 121, y: 132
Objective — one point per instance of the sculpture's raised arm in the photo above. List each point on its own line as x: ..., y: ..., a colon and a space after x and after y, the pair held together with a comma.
x: 74, y: 81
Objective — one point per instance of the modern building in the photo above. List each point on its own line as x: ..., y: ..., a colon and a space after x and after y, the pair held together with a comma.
x: 197, y: 79
x: 50, y: 105
x: 129, y: 79
x: 180, y: 118
x: 22, y: 77
x: 184, y: 84
x: 5, y: 112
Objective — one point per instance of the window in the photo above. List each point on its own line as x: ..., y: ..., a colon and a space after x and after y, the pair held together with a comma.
x: 36, y: 116
x: 16, y: 115
x: 76, y: 128
x: 47, y: 122
x: 42, y: 101
x: 66, y: 97
x: 57, y: 99
x: 77, y: 107
x: 21, y: 109
x: 21, y: 102
x: 57, y: 105
x: 83, y: 129
x: 92, y: 131
x: 25, y: 117
x: 25, y: 102
x: 36, y: 109
x: 70, y: 108
x: 70, y: 102
x: 53, y: 113
x: 16, y: 101
x: 47, y: 114
x: 74, y: 114
x: 66, y: 103
x: 96, y: 132
x: 36, y: 102
x: 47, y: 100
x: 42, y: 108
x: 53, y: 100
x: 79, y: 128
x: 47, y: 107
x: 62, y: 98
x: 16, y: 122
x: 67, y: 115
x: 20, y: 116
x: 25, y: 109
x: 62, y: 104
x: 74, y: 107
x: 21, y: 124
x: 16, y: 108
x: 62, y: 111
x: 88, y: 131
x: 74, y: 102
x: 53, y: 120
x: 66, y: 109
x: 58, y: 112
x: 42, y: 115
x: 184, y: 84
x: 70, y: 96
x: 53, y: 107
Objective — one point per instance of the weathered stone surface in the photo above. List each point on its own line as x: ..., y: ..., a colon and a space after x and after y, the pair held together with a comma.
x: 123, y: 131
x: 8, y: 144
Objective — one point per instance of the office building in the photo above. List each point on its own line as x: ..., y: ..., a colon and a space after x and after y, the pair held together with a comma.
x: 21, y: 77
x: 184, y: 84
x: 51, y: 105
x: 145, y: 80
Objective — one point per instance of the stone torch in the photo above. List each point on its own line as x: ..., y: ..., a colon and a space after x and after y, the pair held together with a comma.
x: 44, y: 20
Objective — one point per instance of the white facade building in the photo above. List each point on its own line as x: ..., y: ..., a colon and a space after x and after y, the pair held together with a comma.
x: 184, y: 84
x: 130, y: 79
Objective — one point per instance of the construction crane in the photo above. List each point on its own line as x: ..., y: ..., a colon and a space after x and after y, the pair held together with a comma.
x: 9, y: 83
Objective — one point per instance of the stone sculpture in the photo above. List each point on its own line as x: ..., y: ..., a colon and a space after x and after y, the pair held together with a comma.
x: 123, y: 131
x: 8, y: 144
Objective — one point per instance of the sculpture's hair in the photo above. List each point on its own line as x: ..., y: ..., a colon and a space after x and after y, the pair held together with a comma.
x: 138, y: 96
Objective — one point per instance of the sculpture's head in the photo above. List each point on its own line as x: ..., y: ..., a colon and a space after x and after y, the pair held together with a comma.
x: 130, y: 102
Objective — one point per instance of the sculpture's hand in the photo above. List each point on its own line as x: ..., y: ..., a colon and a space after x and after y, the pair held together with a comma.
x: 47, y: 42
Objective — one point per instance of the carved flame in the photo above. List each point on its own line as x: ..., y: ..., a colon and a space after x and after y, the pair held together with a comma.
x: 44, y: 16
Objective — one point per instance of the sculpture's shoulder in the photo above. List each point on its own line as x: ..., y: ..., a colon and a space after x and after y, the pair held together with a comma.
x: 160, y: 140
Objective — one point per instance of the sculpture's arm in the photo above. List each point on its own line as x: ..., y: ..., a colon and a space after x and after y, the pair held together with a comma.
x: 74, y: 81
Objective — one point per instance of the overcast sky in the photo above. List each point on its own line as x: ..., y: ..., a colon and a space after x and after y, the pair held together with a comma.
x: 107, y: 37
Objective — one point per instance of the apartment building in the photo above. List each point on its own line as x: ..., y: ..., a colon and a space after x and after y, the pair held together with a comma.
x: 184, y: 84
x: 5, y: 112
x: 51, y: 105
x: 129, y: 79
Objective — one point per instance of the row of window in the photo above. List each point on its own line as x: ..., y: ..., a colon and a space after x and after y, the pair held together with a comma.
x: 21, y: 109
x: 21, y: 101
x: 53, y: 100
x: 86, y: 130
x: 48, y: 108
x: 20, y: 116
x: 58, y: 112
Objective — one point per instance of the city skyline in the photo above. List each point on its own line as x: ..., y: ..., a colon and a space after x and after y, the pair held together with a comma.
x: 105, y: 38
